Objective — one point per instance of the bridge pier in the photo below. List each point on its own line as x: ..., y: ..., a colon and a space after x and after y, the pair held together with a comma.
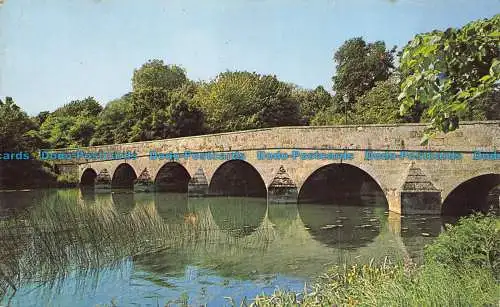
x: 103, y: 181
x: 144, y: 183
x: 198, y: 184
x: 282, y: 189
x: 417, y: 195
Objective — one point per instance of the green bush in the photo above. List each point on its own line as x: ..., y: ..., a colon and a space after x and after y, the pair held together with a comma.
x: 67, y: 180
x: 473, y: 242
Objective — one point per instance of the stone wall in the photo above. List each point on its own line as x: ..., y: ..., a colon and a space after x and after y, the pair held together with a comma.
x: 417, y: 186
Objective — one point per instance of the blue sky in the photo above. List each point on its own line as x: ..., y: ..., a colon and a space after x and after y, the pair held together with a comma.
x: 54, y: 51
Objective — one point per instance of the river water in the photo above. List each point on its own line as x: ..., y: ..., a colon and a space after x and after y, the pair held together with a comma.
x: 70, y: 248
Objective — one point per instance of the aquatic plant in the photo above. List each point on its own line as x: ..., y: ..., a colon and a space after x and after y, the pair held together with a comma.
x: 460, y: 269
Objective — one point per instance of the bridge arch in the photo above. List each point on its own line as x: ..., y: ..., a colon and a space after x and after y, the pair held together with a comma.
x: 470, y: 195
x: 347, y: 180
x: 172, y: 177
x: 88, y: 177
x: 237, y: 178
x: 123, y: 176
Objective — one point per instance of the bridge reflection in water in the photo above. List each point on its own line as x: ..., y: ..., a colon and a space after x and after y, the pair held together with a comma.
x: 70, y: 238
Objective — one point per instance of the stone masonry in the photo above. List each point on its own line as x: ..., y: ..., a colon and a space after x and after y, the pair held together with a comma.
x: 410, y: 186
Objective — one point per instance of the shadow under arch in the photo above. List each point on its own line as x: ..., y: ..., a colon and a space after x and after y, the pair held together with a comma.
x: 172, y: 207
x: 124, y: 202
x: 237, y: 178
x: 88, y: 178
x: 339, y: 181
x: 87, y: 195
x: 472, y: 196
x: 238, y: 216
x: 172, y: 177
x: 342, y: 206
x: 123, y: 177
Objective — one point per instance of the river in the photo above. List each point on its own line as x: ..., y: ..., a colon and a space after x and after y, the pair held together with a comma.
x: 74, y: 248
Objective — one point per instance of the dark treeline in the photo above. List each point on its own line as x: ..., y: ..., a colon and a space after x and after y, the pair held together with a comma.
x: 440, y: 77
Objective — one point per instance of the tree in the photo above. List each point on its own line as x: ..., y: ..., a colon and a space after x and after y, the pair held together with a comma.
x: 115, y: 122
x: 148, y: 100
x: 359, y: 65
x: 311, y: 102
x: 18, y: 134
x: 87, y: 107
x: 184, y: 119
x: 380, y: 105
x: 71, y: 125
x: 17, y: 130
x: 449, y: 72
x: 242, y: 100
x: 41, y: 117
x: 161, y: 115
x: 82, y: 130
x: 55, y: 131
x: 279, y: 111
x: 155, y: 74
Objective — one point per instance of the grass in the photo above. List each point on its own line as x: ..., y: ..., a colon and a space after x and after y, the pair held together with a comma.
x: 460, y: 269
x: 67, y: 180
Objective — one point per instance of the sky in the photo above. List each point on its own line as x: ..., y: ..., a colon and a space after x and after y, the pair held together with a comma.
x: 56, y: 51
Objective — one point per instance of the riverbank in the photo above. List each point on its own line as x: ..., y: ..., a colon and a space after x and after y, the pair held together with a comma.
x: 461, y: 268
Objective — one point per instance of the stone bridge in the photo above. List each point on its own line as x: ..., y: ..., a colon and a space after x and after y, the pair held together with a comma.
x: 453, y: 173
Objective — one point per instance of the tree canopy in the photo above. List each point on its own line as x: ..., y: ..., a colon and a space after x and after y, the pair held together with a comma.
x: 451, y: 71
x: 155, y: 74
x: 242, y: 100
x: 359, y: 65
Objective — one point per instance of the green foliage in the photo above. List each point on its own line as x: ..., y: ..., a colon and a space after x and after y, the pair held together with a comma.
x: 68, y: 131
x: 18, y: 133
x: 114, y: 123
x: 486, y: 107
x: 67, y: 180
x: 72, y: 125
x: 331, y: 116
x: 279, y: 111
x: 449, y: 71
x: 86, y: 107
x: 156, y: 75
x: 474, y: 242
x: 311, y: 102
x: 17, y: 130
x: 146, y: 100
x: 184, y: 119
x: 165, y: 115
x: 41, y: 117
x: 359, y: 65
x: 242, y: 100
x: 380, y: 105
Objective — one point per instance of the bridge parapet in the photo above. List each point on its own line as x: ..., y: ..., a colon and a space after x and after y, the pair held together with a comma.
x: 469, y: 137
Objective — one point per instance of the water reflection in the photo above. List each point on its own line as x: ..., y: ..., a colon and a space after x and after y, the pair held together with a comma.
x: 168, y: 244
x: 123, y: 201
x: 348, y: 224
x: 340, y: 226
x: 237, y: 215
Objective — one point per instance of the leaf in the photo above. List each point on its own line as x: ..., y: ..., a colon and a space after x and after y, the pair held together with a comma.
x: 495, y: 34
x: 425, y: 139
x: 486, y: 78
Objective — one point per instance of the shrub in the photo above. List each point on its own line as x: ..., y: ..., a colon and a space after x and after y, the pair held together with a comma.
x: 473, y: 242
x: 67, y: 180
